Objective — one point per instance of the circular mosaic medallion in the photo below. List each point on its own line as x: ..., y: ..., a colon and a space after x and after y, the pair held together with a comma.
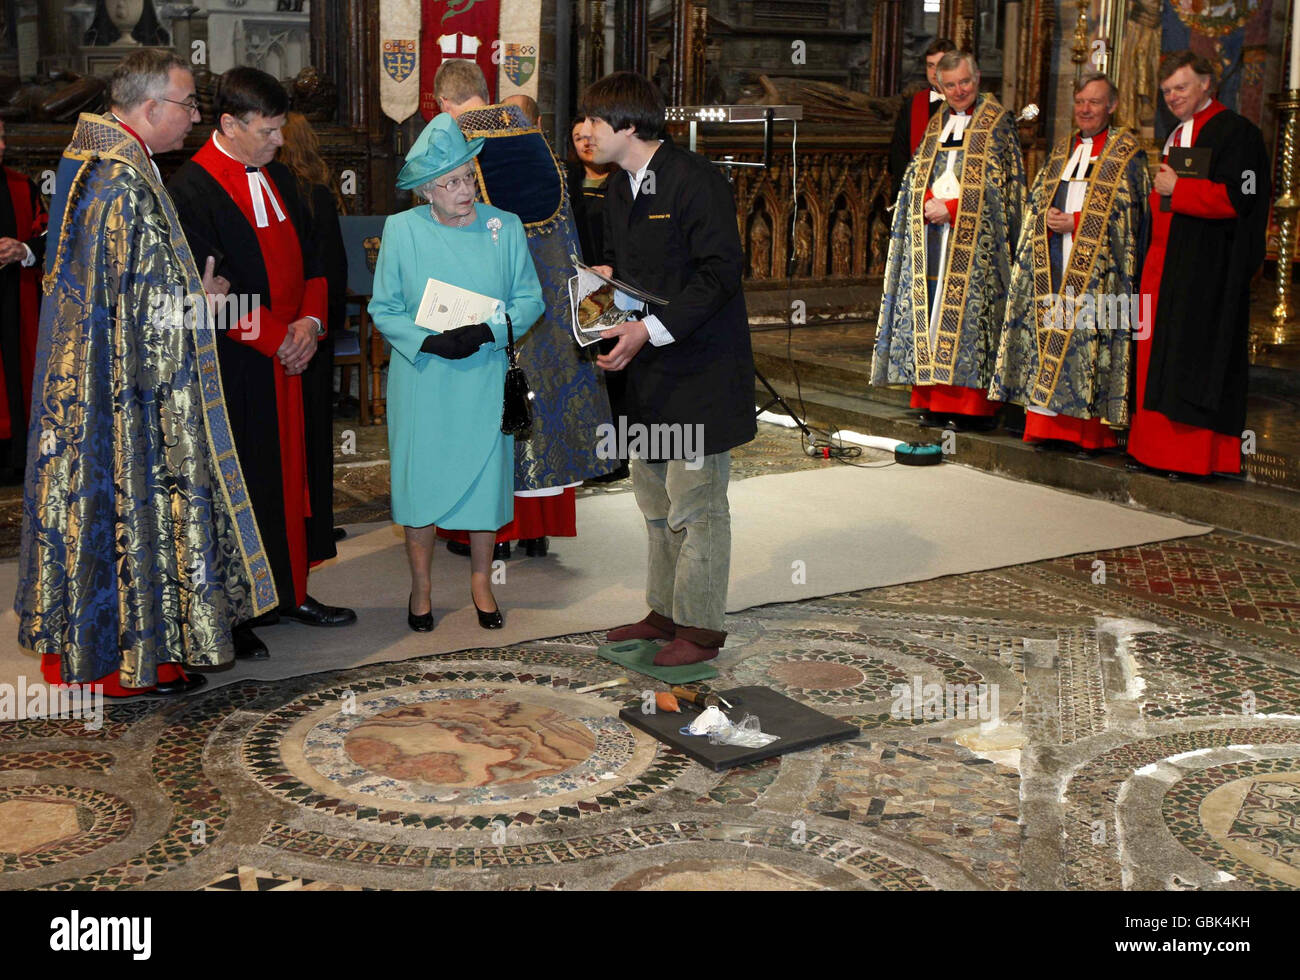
x: 457, y: 750
x: 45, y: 825
x: 696, y: 876
x: 1241, y: 817
x: 823, y: 676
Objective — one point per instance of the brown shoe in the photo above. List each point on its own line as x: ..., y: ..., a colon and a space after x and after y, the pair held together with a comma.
x: 653, y: 627
x: 681, y: 652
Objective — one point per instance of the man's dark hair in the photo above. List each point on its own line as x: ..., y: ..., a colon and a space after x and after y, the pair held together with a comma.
x: 940, y: 45
x: 1190, y: 59
x: 245, y: 90
x: 625, y: 99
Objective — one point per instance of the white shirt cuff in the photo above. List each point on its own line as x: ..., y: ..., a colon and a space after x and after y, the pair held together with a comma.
x: 659, y: 335
x: 30, y: 261
x: 320, y: 327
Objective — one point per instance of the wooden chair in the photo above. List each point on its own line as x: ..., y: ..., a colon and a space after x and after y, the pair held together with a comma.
x: 361, y: 235
x: 350, y: 352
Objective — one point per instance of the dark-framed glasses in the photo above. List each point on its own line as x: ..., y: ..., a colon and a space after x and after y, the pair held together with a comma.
x: 192, y: 103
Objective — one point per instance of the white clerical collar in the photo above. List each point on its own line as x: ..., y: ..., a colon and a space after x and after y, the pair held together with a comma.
x: 639, y: 176
x: 936, y: 96
x: 258, y: 188
x: 955, y: 127
x: 1182, y: 134
x: 1077, y: 167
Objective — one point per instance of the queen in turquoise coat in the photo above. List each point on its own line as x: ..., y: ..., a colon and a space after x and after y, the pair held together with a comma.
x: 451, y: 465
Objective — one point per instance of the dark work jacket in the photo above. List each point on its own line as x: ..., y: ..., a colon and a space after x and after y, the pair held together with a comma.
x: 211, y: 217
x: 681, y: 243
x: 1200, y: 345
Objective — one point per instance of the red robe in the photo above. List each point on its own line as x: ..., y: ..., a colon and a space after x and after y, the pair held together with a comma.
x: 291, y: 298
x: 1154, y: 439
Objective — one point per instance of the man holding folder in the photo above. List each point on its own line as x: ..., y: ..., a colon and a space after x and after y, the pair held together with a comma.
x: 670, y: 230
x: 1207, y: 240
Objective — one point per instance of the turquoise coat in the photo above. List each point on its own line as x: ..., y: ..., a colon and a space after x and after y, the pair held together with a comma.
x: 451, y: 464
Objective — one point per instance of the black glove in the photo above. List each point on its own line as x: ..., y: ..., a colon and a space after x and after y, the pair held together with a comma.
x: 458, y: 343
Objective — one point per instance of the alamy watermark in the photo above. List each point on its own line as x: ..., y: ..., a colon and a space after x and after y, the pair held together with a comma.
x: 1102, y: 312
x: 180, y: 310
x: 940, y: 702
x: 658, y: 440
x: 23, y: 701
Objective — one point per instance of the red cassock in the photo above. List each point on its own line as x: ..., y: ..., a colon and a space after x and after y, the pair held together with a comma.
x: 291, y: 298
x: 1154, y: 439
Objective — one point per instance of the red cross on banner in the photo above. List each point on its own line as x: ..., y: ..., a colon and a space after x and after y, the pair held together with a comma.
x: 457, y: 29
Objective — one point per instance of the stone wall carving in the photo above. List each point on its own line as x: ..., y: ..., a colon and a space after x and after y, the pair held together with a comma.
x: 843, y: 197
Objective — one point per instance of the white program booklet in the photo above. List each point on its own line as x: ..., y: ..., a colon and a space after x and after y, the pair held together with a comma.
x: 445, y: 307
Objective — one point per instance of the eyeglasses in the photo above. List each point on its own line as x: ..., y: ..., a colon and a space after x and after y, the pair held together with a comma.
x: 456, y: 183
x: 192, y: 103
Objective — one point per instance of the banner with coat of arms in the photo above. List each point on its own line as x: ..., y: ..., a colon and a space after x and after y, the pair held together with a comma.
x: 399, y: 58
x: 521, y: 33
x: 459, y: 29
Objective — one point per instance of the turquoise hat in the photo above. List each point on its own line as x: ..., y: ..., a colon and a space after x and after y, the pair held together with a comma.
x: 441, y: 148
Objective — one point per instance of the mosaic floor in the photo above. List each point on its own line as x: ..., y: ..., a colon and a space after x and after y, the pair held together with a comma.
x: 1133, y: 722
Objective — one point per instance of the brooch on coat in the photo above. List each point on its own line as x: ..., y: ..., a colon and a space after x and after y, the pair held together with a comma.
x: 494, y: 226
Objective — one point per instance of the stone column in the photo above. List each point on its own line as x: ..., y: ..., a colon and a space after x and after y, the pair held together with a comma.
x: 886, y: 48
x: 633, y: 40
x: 1010, y: 96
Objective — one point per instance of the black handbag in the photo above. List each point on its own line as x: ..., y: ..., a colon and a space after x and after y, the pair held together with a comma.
x: 517, y: 408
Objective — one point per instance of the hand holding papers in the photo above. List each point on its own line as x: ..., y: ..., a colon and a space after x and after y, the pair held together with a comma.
x: 445, y: 307
x: 593, y: 303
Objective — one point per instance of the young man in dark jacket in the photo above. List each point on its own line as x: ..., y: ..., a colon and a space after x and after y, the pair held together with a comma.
x: 670, y: 232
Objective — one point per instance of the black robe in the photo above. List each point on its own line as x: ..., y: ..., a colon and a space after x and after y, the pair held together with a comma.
x: 13, y: 451
x: 681, y: 243
x: 901, y: 146
x: 318, y: 380
x: 211, y: 218
x: 1200, y: 344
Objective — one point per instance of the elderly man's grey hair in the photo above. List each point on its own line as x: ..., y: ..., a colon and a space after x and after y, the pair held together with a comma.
x: 1088, y: 77
x: 141, y: 76
x: 459, y: 80
x: 953, y: 59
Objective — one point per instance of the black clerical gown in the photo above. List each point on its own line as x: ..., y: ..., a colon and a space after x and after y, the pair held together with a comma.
x: 678, y: 240
x: 909, y: 128
x: 266, y: 409
x: 22, y: 216
x: 318, y: 380
x: 1193, y: 370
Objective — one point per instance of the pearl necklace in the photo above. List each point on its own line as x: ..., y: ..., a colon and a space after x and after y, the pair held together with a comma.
x: 460, y: 223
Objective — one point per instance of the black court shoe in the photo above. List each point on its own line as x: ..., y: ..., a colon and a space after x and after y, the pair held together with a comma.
x: 536, y: 547
x: 489, y: 620
x: 422, y: 623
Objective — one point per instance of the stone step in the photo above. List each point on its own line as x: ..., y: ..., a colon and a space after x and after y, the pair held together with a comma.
x: 1236, y: 505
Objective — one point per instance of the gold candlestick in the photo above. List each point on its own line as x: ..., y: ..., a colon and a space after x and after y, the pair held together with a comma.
x: 1287, y: 203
